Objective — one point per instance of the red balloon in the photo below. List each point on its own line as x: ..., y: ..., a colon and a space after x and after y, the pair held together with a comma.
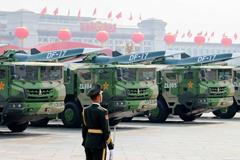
x: 226, y: 41
x: 137, y: 37
x: 199, y: 39
x: 64, y: 34
x: 102, y: 36
x: 21, y: 32
x: 169, y: 39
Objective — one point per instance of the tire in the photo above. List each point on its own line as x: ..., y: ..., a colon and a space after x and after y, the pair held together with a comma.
x: 41, y: 123
x: 127, y: 119
x: 114, y: 121
x: 188, y: 118
x: 231, y: 111
x: 72, y: 115
x: 16, y: 127
x: 159, y: 114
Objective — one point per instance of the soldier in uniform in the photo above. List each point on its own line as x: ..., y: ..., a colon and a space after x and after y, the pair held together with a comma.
x: 96, y: 131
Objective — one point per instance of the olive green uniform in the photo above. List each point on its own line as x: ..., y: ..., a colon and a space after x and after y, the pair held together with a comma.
x: 95, y: 132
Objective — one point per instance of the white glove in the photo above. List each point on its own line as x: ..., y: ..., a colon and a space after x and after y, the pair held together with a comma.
x: 111, y: 154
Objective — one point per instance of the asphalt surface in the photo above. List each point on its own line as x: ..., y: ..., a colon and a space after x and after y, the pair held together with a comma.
x: 207, y: 138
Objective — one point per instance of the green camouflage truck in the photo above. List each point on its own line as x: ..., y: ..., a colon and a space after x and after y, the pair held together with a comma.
x: 230, y: 111
x: 29, y: 91
x: 189, y: 91
x: 127, y: 90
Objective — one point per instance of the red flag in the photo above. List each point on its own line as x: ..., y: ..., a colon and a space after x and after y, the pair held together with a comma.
x: 188, y: 33
x: 205, y: 34
x: 130, y: 17
x: 223, y: 34
x: 212, y: 34
x: 119, y: 15
x: 140, y: 17
x: 183, y: 35
x: 95, y: 11
x: 176, y: 32
x: 208, y: 39
x: 55, y: 12
x: 68, y: 13
x: 110, y: 14
x: 79, y: 13
x: 200, y: 33
x: 235, y: 36
x: 44, y: 11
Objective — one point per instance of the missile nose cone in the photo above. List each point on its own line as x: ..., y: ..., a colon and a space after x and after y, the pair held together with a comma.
x: 91, y: 50
x: 3, y: 45
x: 235, y: 55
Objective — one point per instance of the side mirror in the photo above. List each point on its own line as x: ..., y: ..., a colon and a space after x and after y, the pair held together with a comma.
x: 203, y: 74
x: 235, y: 74
x: 12, y: 70
x: 13, y: 77
x: 160, y: 76
x: 23, y: 67
x: 68, y: 74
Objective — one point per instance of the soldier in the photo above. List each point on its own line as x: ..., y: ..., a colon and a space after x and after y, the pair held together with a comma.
x: 95, y: 131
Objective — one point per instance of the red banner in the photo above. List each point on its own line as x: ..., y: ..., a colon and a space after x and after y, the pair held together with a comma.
x: 98, y: 26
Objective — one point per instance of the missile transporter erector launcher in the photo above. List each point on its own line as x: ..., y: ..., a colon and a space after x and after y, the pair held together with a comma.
x: 189, y: 91
x: 230, y: 111
x: 127, y: 90
x: 29, y: 91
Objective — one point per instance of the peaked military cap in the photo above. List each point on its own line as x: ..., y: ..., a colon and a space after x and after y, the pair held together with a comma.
x: 95, y: 90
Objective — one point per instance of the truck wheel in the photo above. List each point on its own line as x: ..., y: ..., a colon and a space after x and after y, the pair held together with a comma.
x: 231, y: 111
x: 188, y: 118
x: 113, y: 121
x: 41, y: 123
x: 72, y: 115
x: 159, y: 114
x: 127, y: 119
x: 16, y: 127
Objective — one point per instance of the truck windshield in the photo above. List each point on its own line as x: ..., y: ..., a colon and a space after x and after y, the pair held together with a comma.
x: 224, y: 74
x: 51, y: 73
x: 129, y: 74
x: 146, y: 74
x: 210, y: 74
x: 28, y: 73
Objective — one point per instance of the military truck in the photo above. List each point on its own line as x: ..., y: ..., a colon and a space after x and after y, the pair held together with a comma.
x: 230, y: 111
x: 189, y: 91
x: 127, y: 90
x: 29, y: 91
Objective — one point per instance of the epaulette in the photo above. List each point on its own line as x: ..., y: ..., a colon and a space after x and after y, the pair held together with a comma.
x: 103, y: 108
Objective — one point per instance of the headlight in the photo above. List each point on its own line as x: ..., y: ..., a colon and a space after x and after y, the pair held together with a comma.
x: 56, y: 104
x: 14, y: 105
x: 121, y: 103
x: 19, y: 105
x: 200, y: 100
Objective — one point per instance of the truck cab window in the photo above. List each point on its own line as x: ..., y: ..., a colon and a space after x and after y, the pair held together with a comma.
x: 189, y: 75
x: 2, y: 73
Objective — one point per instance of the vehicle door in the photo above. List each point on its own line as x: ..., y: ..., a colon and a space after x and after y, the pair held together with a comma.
x: 4, y: 93
x: 85, y: 81
x: 188, y: 83
x: 170, y: 83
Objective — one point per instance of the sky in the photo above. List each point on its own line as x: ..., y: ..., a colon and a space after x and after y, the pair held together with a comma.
x: 218, y: 16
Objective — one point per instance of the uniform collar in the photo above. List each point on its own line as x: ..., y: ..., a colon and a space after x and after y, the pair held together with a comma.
x: 96, y: 104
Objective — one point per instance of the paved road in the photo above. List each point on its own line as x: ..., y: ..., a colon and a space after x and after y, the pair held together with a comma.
x: 206, y: 138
